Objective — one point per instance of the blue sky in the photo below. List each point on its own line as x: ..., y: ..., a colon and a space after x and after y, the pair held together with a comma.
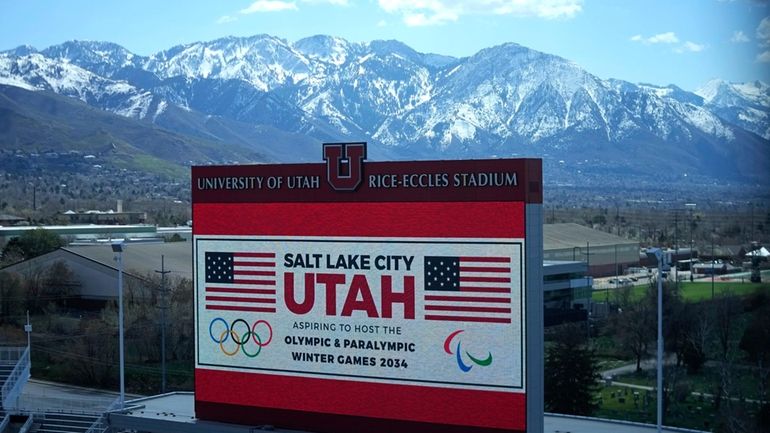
x: 682, y: 42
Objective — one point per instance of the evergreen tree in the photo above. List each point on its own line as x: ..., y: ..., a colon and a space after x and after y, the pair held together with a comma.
x: 32, y: 243
x: 571, y: 373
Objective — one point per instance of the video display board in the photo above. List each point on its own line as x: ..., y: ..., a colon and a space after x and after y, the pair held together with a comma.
x: 351, y: 295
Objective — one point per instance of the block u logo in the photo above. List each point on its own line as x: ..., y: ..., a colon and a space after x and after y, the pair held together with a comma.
x: 344, y: 165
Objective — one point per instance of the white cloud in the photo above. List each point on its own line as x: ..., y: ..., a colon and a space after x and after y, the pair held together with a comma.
x: 763, y: 57
x: 382, y: 23
x: 331, y: 2
x: 660, y: 38
x: 433, y: 12
x: 690, y: 47
x: 669, y: 38
x: 663, y: 38
x: 224, y: 19
x: 739, y: 37
x: 268, y: 6
x: 763, y: 31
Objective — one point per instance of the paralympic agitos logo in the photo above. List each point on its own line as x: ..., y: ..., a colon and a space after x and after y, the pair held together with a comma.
x: 458, y: 351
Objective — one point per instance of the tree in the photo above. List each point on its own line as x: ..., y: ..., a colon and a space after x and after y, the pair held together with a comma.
x: 571, y: 373
x: 754, y: 343
x: 95, y: 352
x: 32, y: 243
x: 10, y: 296
x: 725, y: 308
x: 634, y: 328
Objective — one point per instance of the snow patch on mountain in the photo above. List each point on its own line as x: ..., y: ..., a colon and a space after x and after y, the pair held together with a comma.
x: 744, y: 104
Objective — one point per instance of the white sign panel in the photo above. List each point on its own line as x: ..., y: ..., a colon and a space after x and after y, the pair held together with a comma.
x: 443, y: 312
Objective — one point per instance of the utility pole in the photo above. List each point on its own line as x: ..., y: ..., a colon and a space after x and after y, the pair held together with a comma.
x: 616, y: 281
x: 28, y: 330
x: 662, y: 260
x: 117, y: 248
x: 163, y: 307
x: 676, y: 250
x: 713, y: 233
x: 590, y: 295
x: 692, y: 268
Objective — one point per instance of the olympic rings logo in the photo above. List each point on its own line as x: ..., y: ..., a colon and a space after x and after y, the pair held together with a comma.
x: 458, y: 354
x: 240, y: 337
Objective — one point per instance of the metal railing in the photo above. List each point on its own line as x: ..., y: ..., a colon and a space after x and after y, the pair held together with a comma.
x: 27, y: 425
x: 5, y: 422
x: 11, y: 389
x: 60, y: 405
x: 100, y: 425
x: 11, y: 354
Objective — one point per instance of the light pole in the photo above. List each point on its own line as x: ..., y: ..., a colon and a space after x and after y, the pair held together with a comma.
x: 28, y: 330
x: 658, y: 254
x: 691, y: 206
x: 713, y: 233
x: 163, y: 307
x: 117, y: 248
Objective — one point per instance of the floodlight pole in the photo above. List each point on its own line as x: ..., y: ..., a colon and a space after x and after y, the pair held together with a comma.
x: 28, y: 330
x: 117, y: 247
x: 713, y: 232
x: 691, y: 206
x: 163, y: 307
x: 658, y: 254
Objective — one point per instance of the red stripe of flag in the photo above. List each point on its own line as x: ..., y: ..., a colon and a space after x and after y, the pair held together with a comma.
x: 255, y: 282
x: 486, y: 259
x: 468, y: 309
x: 484, y: 280
x: 467, y: 299
x: 256, y: 273
x: 485, y: 289
x: 255, y: 264
x: 237, y: 290
x: 469, y: 319
x: 238, y: 308
x: 483, y: 269
x: 256, y: 255
x: 241, y: 299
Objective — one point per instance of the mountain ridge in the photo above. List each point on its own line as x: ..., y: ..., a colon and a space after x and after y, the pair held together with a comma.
x: 505, y: 100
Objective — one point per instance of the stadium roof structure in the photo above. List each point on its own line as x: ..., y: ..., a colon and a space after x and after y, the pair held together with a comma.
x: 569, y: 235
x: 144, y: 258
x: 175, y: 413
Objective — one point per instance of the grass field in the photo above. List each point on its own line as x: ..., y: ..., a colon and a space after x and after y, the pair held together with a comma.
x: 744, y: 381
x: 694, y: 292
x: 639, y: 406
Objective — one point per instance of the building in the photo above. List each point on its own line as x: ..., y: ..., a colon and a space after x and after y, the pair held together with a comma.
x: 566, y: 292
x: 605, y: 253
x: 109, y: 217
x: 567, y: 289
x: 105, y: 217
x: 10, y: 220
x: 94, y: 272
x: 91, y: 233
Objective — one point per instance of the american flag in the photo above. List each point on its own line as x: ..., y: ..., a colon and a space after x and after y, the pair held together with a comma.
x: 468, y: 289
x: 240, y: 282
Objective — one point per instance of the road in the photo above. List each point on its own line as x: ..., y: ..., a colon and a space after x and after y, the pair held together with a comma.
x: 568, y: 424
x: 41, y: 395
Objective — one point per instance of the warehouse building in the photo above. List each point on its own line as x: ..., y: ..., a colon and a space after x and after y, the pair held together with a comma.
x: 604, y: 253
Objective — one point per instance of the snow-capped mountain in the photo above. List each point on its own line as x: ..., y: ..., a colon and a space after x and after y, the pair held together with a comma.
x: 502, y: 101
x: 38, y: 72
x: 744, y: 104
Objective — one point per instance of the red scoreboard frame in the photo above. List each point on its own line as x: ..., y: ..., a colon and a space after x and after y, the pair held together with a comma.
x: 345, y: 198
